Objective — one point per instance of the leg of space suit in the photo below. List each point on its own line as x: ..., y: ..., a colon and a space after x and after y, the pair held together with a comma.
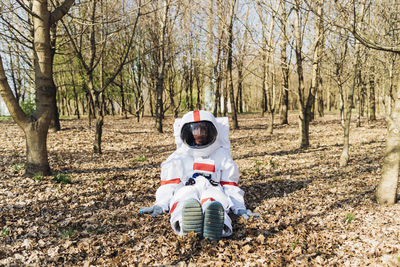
x: 176, y: 205
x: 215, y: 193
x: 203, y: 192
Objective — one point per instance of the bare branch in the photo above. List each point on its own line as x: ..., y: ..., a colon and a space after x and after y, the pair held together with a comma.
x: 12, y: 104
x: 27, y: 9
x: 60, y: 11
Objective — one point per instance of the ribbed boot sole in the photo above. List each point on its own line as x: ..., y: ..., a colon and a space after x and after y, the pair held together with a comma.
x: 192, y: 217
x: 214, y: 221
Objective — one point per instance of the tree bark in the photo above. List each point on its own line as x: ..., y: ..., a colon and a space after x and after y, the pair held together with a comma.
x: 55, y: 125
x: 303, y: 116
x: 284, y: 105
x: 348, y: 106
x: 372, y: 103
x: 36, y: 149
x: 387, y: 188
x: 209, y: 89
x: 229, y: 68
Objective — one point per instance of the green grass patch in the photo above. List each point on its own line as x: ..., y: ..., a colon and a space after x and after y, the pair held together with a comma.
x: 96, y: 230
x: 62, y: 178
x: 349, y: 218
x: 38, y: 177
x: 18, y: 166
x: 140, y: 159
x: 4, y: 232
x: 67, y: 233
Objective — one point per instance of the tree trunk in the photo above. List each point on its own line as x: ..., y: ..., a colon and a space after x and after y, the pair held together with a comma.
x: 209, y: 88
x: 229, y: 69
x: 303, y: 117
x: 284, y: 105
x: 270, y: 128
x: 98, y: 134
x: 344, y: 157
x: 304, y: 125
x: 387, y: 188
x: 264, y: 80
x: 359, y: 99
x: 55, y: 125
x: 76, y: 98
x: 123, y: 106
x: 239, y: 96
x: 372, y: 103
x: 348, y: 106
x: 36, y: 149
x: 159, y: 102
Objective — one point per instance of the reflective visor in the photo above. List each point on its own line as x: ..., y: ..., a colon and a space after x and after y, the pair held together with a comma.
x: 199, y: 134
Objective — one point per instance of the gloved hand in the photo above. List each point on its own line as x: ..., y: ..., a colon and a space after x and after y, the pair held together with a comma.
x: 155, y: 210
x: 247, y: 213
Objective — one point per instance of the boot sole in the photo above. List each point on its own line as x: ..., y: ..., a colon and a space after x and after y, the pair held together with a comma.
x: 192, y: 217
x: 214, y: 221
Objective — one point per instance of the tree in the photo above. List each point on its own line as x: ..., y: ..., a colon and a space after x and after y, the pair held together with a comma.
x: 307, y: 97
x: 229, y: 64
x: 36, y: 126
x: 304, y: 99
x: 269, y: 101
x: 92, y: 61
x: 385, y: 39
x: 284, y: 105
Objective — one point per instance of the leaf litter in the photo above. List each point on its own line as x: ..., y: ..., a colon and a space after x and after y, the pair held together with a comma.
x: 313, y: 212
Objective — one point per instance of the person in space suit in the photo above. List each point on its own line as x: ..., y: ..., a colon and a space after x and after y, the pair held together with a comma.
x: 199, y: 181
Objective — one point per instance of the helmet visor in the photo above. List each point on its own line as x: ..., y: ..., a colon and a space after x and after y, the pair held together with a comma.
x: 199, y: 134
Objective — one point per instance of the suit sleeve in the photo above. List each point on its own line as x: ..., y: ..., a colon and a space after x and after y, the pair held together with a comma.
x: 229, y: 181
x: 171, y: 175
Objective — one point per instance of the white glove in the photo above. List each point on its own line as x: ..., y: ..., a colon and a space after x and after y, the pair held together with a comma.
x: 155, y: 210
x: 247, y: 213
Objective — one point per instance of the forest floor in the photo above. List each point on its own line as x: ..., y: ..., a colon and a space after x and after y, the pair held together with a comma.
x: 313, y: 212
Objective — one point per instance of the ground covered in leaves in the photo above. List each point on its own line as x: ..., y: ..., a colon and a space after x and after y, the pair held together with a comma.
x: 313, y: 212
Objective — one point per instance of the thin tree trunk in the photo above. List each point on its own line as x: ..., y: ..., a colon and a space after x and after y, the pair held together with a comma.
x: 284, y: 105
x: 209, y: 92
x: 303, y: 117
x: 123, y: 106
x: 159, y: 102
x: 348, y: 106
x: 229, y: 68
x: 372, y: 103
x: 55, y: 125
x: 270, y: 128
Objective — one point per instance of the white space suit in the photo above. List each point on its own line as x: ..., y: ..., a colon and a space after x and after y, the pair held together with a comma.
x: 206, y: 173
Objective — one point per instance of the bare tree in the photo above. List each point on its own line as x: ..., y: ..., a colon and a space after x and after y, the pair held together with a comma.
x: 284, y: 105
x: 230, y: 66
x: 91, y: 60
x: 36, y: 126
x: 384, y: 40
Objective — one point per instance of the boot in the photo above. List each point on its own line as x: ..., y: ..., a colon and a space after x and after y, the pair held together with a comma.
x: 192, y: 217
x: 213, y: 221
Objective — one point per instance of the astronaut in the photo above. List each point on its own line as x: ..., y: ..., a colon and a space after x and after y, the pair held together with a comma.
x: 199, y: 181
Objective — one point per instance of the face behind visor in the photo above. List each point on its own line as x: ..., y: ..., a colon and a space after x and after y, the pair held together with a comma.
x: 199, y: 134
